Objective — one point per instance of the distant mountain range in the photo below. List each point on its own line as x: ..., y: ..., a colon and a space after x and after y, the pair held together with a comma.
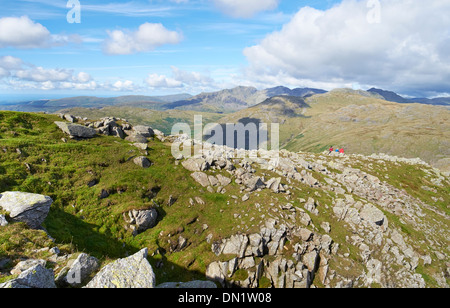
x: 238, y: 98
x: 394, y: 97
x: 224, y: 101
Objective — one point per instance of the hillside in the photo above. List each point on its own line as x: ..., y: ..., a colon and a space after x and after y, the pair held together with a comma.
x: 360, y: 122
x: 288, y: 220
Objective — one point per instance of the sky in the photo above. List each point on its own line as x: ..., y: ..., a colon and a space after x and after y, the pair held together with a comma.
x: 60, y: 48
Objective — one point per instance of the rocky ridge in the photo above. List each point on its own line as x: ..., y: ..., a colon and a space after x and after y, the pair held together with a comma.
x: 361, y: 201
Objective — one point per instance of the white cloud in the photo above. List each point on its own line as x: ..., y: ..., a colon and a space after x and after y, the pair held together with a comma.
x: 245, y: 8
x: 405, y: 50
x: 10, y: 63
x: 23, y: 75
x: 191, y: 78
x: 22, y: 32
x: 148, y: 37
x: 4, y: 73
x: 126, y: 85
x: 188, y: 80
x: 82, y: 77
x: 40, y: 74
x: 161, y: 81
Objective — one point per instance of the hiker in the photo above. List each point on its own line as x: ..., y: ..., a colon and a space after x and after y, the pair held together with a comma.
x: 330, y: 150
x: 341, y: 151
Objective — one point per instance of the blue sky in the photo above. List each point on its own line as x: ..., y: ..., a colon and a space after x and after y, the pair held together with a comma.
x: 154, y: 47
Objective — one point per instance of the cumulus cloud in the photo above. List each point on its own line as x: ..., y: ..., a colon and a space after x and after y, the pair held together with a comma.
x: 190, y: 81
x: 21, y: 75
x: 126, y: 85
x: 148, y: 37
x: 10, y: 63
x: 403, y: 46
x: 22, y: 32
x: 191, y: 78
x: 40, y: 74
x: 245, y: 9
x: 162, y: 81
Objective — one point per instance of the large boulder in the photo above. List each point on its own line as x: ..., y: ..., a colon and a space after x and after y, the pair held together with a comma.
x: 141, y: 220
x: 201, y: 178
x: 254, y: 183
x: 136, y: 138
x: 35, y: 277
x: 80, y: 269
x: 76, y: 131
x: 132, y: 272
x: 31, y: 209
x: 146, y: 131
x: 195, y: 164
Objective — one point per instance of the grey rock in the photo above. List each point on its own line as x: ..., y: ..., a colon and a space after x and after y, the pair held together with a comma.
x: 81, y: 268
x: 195, y: 164
x: 142, y: 161
x: 311, y: 259
x: 76, y: 131
x: 224, y: 181
x: 373, y: 215
x: 22, y: 266
x: 254, y: 183
x: 201, y: 178
x: 31, y: 209
x: 36, y: 276
x: 142, y: 219
x: 118, y: 132
x: 136, y: 138
x: 274, y: 184
x: 236, y: 245
x: 132, y: 272
x: 217, y: 271
x: 145, y: 131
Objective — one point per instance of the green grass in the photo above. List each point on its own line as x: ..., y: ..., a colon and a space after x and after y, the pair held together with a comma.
x: 78, y: 216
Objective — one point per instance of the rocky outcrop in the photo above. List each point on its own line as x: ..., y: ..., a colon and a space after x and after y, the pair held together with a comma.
x: 251, y: 251
x: 76, y: 130
x: 132, y: 272
x: 31, y: 209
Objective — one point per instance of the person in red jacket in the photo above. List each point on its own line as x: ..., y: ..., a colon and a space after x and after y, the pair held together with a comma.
x: 331, y: 150
x: 341, y: 151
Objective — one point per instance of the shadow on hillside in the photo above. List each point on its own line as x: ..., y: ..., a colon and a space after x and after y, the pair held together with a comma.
x: 69, y: 229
